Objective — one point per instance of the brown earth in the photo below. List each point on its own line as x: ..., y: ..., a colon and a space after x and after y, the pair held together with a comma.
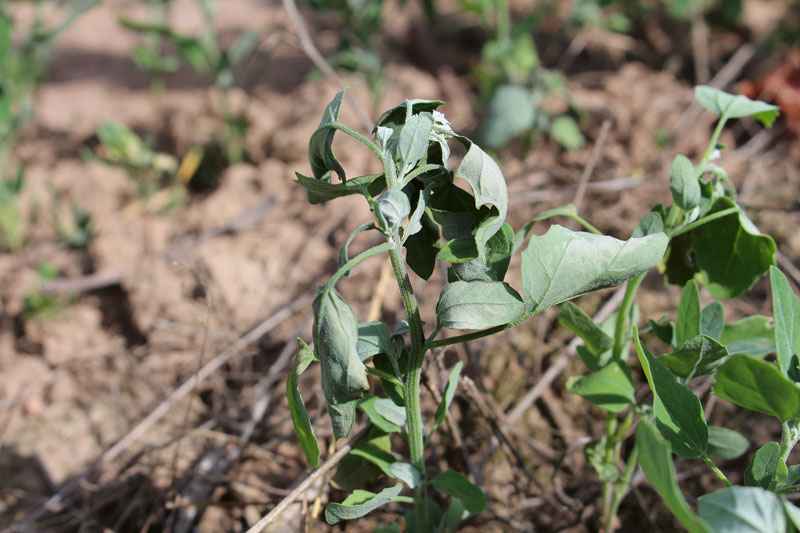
x: 186, y: 284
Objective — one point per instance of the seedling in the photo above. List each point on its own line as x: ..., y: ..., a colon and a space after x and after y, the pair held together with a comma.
x: 417, y: 205
x: 711, y: 240
x: 12, y: 223
x: 205, y: 55
x: 121, y: 147
x: 150, y: 54
x: 75, y: 231
x: 44, y: 305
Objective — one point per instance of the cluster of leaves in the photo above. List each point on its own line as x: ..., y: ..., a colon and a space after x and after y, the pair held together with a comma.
x: 512, y: 83
x: 23, y: 64
x: 711, y: 241
x: 418, y: 204
x: 206, y: 56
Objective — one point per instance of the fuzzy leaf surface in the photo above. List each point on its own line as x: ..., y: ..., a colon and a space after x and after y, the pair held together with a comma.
x: 786, y: 310
x: 683, y: 183
x: 742, y: 509
x: 758, y: 385
x: 320, y: 146
x: 724, y: 443
x: 735, y: 106
x: 297, y: 408
x: 359, y: 503
x: 478, y: 304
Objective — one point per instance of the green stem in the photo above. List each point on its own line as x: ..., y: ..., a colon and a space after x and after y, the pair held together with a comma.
x: 417, y: 172
x: 717, y: 471
x: 360, y: 258
x: 705, y: 220
x: 608, y: 459
x: 416, y: 430
x: 622, y: 486
x: 458, y: 339
x: 789, y: 436
x: 713, y: 143
x: 622, y: 326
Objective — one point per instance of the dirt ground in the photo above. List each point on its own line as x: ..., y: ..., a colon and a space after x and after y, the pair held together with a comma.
x: 226, y: 280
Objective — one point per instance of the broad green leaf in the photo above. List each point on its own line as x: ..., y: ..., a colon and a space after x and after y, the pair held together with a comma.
x: 567, y: 210
x: 565, y: 131
x: 393, y: 390
x: 412, y: 141
x: 679, y: 414
x: 743, y: 510
x: 724, y: 443
x: 753, y: 335
x: 375, y: 455
x: 688, y: 323
x: 297, y: 409
x: 359, y: 503
x: 735, y: 106
x: 477, y: 304
x: 655, y: 458
x: 421, y: 250
x: 684, y: 184
x: 321, y: 190
x: 354, y: 471
x: 376, y: 411
x: 609, y: 388
x: 563, y: 264
x: 698, y: 357
x: 573, y: 318
x: 456, y: 485
x: 713, y: 320
x: 511, y: 112
x: 391, y: 209
x: 665, y: 331
x: 344, y: 376
x: 449, y: 394
x: 415, y: 219
x: 786, y: 310
x: 459, y: 250
x: 730, y: 253
x: 758, y: 385
x: 406, y: 473
x: 651, y: 223
x: 373, y: 338
x: 320, y: 146
x: 455, y: 513
x: 488, y: 186
x: 763, y: 471
x: 792, y: 475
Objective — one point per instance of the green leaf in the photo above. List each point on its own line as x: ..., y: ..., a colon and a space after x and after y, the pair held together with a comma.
x: 354, y: 471
x: 763, y: 471
x: 344, y: 254
x: 655, y: 458
x: 699, y: 357
x: 396, y: 116
x: 786, y: 310
x: 651, y: 223
x: 406, y: 473
x: 743, y: 510
x: 297, y: 409
x: 753, y: 335
x: 421, y: 250
x: 565, y: 131
x: 320, y: 146
x: 344, y: 376
x: 573, y: 318
x: 609, y: 388
x: 735, y: 106
x: 684, y: 184
x: 359, y: 503
x: 758, y: 385
x: 477, y: 304
x: 412, y: 141
x: 447, y: 397
x: 563, y: 264
x: 688, y: 323
x: 712, y: 322
x: 321, y: 190
x: 511, y: 112
x: 456, y: 485
x: 373, y: 338
x: 375, y: 409
x: 679, y: 414
x: 730, y: 253
x: 391, y: 209
x: 792, y: 513
x: 455, y: 513
x: 724, y: 443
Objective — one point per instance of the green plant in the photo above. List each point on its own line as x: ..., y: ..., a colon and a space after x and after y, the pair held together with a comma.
x: 39, y: 304
x: 150, y: 55
x: 121, y: 147
x: 75, y: 231
x: 418, y: 205
x: 206, y: 56
x: 12, y: 223
x: 512, y: 83
x: 711, y: 240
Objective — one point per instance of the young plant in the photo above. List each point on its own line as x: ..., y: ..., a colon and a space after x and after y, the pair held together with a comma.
x: 75, y: 231
x: 206, y: 56
x: 12, y: 223
x: 121, y: 147
x: 150, y: 55
x: 513, y: 83
x: 711, y: 240
x: 417, y: 204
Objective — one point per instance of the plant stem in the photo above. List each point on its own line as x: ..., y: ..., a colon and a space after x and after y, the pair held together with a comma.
x: 717, y: 471
x: 622, y: 485
x: 705, y: 220
x: 713, y: 142
x: 789, y: 436
x: 622, y: 326
x: 416, y: 430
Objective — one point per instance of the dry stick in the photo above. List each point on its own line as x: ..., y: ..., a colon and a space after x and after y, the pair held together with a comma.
x: 332, y: 461
x: 307, y: 44
x: 544, y: 195
x: 587, y: 171
x: 212, y: 366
